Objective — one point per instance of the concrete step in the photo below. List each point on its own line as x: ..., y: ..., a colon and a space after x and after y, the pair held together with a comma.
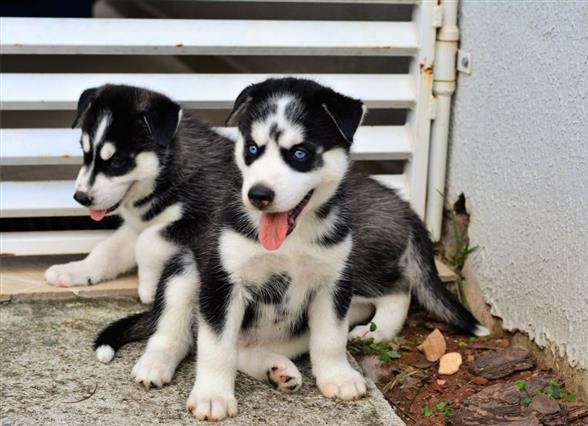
x: 52, y: 377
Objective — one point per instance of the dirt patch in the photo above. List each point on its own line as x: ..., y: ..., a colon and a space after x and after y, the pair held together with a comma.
x: 421, y: 396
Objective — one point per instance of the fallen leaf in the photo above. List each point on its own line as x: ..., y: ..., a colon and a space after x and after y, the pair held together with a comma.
x: 434, y: 346
x: 480, y: 381
x: 436, y: 387
x: 449, y: 363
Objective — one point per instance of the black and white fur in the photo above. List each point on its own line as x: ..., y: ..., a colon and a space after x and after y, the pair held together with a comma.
x: 391, y: 258
x: 263, y: 303
x: 161, y: 171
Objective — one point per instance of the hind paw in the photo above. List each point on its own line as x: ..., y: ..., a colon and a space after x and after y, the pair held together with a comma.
x: 284, y: 376
x: 154, y: 368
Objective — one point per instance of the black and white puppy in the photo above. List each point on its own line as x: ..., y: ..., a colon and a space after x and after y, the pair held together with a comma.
x: 276, y: 273
x: 161, y: 171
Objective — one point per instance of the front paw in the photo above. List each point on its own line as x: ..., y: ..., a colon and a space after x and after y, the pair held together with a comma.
x: 348, y: 384
x: 68, y: 275
x: 213, y: 407
x: 146, y: 294
x: 154, y: 368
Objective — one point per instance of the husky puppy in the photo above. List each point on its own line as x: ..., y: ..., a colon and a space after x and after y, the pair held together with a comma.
x: 391, y: 257
x: 144, y: 160
x: 275, y: 270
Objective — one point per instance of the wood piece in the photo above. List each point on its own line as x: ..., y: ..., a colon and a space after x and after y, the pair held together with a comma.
x: 495, y: 365
x: 548, y: 411
x: 449, y: 363
x: 500, y: 404
x: 434, y: 346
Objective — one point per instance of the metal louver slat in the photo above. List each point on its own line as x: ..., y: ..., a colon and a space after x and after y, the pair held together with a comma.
x: 403, y: 144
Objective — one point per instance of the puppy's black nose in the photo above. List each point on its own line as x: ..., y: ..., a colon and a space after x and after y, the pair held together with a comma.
x: 83, y: 198
x: 261, y: 196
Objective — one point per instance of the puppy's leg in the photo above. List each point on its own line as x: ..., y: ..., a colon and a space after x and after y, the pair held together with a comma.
x: 360, y: 312
x: 110, y: 258
x: 213, y: 394
x: 152, y: 252
x: 328, y: 338
x: 391, y: 312
x: 173, y: 335
x: 262, y: 364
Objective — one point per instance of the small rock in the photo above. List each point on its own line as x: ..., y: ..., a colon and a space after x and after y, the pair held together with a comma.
x: 441, y: 382
x: 471, y: 358
x: 480, y: 381
x: 434, y: 346
x: 449, y: 363
x: 495, y: 365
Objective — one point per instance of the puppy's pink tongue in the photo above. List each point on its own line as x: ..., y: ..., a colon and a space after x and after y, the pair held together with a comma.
x: 273, y: 228
x: 97, y: 215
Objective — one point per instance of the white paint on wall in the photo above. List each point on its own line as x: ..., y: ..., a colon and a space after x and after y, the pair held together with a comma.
x: 519, y: 151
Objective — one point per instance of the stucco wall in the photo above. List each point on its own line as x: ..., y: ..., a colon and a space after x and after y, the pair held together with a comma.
x: 519, y: 151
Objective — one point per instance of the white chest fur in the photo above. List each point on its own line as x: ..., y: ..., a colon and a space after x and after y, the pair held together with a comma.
x: 307, y: 265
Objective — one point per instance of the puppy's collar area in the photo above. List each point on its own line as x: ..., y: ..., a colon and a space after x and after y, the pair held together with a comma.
x: 275, y: 227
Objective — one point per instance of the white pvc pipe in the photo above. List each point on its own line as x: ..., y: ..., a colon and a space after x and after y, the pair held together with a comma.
x: 443, y: 89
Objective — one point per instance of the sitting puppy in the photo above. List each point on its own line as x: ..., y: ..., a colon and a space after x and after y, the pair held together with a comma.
x: 391, y: 258
x: 276, y: 269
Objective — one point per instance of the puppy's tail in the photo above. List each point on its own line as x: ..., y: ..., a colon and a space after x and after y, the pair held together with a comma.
x: 119, y: 333
x: 431, y: 292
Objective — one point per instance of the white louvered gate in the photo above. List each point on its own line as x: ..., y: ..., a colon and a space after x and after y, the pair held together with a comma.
x: 38, y: 147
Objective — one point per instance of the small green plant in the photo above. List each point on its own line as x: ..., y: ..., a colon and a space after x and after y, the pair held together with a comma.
x: 444, y: 407
x: 373, y: 326
x: 552, y: 390
x: 385, y: 351
x: 461, y: 243
x: 568, y: 397
x: 462, y: 344
x: 426, y: 411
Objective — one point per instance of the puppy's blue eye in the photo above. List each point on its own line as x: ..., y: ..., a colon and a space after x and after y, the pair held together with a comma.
x: 299, y: 154
x: 252, y: 149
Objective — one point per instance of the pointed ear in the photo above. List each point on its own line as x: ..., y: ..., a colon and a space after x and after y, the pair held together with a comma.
x: 162, y: 119
x: 240, y: 105
x: 84, y: 103
x: 347, y: 114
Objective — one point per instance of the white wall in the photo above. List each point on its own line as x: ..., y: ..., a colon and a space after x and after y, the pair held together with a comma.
x: 519, y: 151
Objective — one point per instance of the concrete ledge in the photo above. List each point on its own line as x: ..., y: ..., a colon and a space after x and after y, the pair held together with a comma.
x: 22, y: 279
x: 49, y: 375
